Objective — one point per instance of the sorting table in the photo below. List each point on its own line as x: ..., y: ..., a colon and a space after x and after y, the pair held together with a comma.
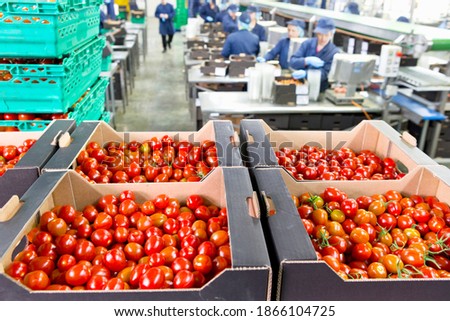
x: 315, y: 115
x: 197, y: 82
x: 139, y: 28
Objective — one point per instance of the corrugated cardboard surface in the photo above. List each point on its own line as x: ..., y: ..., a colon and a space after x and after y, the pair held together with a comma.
x: 17, y: 180
x: 222, y: 132
x: 375, y: 135
x: 299, y: 276
x: 248, y: 279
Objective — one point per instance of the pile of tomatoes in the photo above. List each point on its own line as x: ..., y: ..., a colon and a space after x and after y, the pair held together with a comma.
x: 28, y: 117
x: 121, y: 244
x: 31, y: 116
x: 10, y: 154
x: 154, y: 160
x: 28, y: 61
x: 313, y: 163
x: 380, y: 236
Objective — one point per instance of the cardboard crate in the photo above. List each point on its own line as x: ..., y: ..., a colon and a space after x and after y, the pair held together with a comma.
x: 298, y: 275
x: 247, y: 279
x: 211, y: 27
x: 221, y: 132
x: 288, y: 94
x: 239, y: 64
x: 214, y: 68
x: 17, y: 180
x: 211, y: 44
x: 199, y: 54
x: 260, y: 142
x: 194, y: 43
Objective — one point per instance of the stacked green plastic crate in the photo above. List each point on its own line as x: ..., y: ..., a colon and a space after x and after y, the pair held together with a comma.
x: 181, y: 14
x: 50, y: 61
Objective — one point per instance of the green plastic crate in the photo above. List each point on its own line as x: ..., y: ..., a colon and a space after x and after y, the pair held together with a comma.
x: 106, y: 63
x: 26, y: 125
x: 138, y: 18
x: 42, y: 29
x: 106, y: 117
x: 93, y: 104
x: 51, y: 88
x: 91, y: 107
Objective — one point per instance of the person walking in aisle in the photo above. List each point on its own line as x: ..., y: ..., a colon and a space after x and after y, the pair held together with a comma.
x: 165, y: 13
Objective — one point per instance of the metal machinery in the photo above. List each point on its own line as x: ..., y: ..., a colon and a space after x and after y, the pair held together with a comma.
x: 420, y: 94
x: 350, y: 70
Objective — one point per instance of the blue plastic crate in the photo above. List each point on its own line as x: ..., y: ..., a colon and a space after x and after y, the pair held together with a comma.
x: 46, y: 29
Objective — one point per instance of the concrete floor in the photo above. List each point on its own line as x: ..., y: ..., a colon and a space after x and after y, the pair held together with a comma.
x: 158, y: 102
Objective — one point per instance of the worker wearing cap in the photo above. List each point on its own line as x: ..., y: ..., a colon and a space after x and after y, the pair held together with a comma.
x: 242, y: 41
x: 223, y: 10
x: 209, y: 11
x: 256, y: 28
x: 352, y: 7
x: 230, y: 21
x: 296, y: 29
x: 317, y: 52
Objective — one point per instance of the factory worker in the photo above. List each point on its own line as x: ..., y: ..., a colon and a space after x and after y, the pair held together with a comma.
x: 296, y: 29
x: 108, y: 15
x: 256, y: 28
x: 317, y: 53
x: 352, y: 7
x: 223, y: 10
x: 209, y: 10
x: 165, y: 13
x: 194, y: 7
x: 242, y: 41
x: 230, y: 21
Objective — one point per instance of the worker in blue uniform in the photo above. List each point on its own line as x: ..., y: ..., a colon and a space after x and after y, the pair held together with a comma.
x: 194, y: 8
x: 209, y: 11
x: 107, y: 14
x: 317, y: 52
x: 242, y: 41
x: 352, y: 7
x: 223, y: 10
x: 165, y: 13
x: 230, y: 21
x: 296, y: 29
x: 257, y: 29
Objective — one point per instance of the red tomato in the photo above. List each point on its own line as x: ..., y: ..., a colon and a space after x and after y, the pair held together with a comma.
x: 77, y: 275
x: 153, y: 278
x: 115, y: 260
x: 36, y: 280
x: 184, y: 280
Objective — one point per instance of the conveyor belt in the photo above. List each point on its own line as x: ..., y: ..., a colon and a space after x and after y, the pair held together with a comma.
x: 384, y: 30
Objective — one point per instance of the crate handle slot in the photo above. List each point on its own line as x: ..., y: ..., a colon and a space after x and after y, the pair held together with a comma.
x: 10, y: 209
x: 250, y: 138
x: 65, y: 140
x: 409, y: 139
x: 270, y: 204
x: 253, y: 206
x: 234, y: 140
